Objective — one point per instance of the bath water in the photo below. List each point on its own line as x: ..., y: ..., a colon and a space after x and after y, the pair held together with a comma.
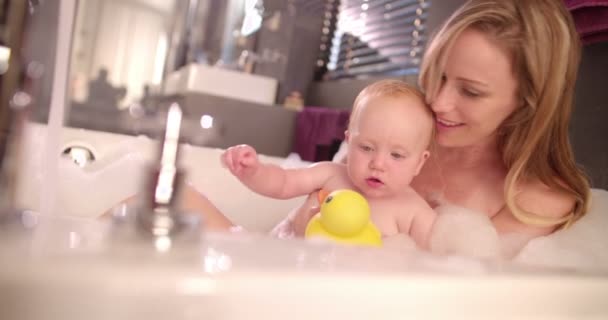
x: 582, y: 247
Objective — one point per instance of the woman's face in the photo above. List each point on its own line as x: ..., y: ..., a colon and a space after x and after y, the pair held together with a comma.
x: 478, y: 91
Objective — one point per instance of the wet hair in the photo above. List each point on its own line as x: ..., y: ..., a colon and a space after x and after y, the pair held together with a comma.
x: 544, y: 49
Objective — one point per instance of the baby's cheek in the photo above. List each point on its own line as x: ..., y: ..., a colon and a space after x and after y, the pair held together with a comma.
x: 404, y: 174
x: 357, y: 163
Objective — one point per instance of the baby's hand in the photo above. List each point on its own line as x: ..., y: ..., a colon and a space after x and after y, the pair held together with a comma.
x: 241, y: 160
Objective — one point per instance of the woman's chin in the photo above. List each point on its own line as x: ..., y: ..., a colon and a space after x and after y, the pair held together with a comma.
x: 451, y: 142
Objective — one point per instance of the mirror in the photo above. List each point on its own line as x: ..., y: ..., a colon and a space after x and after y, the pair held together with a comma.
x: 131, y: 58
x: 122, y: 51
x: 118, y: 51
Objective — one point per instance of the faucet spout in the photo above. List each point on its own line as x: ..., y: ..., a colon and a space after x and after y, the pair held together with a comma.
x: 165, y: 189
x: 159, y: 214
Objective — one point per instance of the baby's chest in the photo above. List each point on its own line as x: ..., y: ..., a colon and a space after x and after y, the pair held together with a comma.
x: 390, y: 218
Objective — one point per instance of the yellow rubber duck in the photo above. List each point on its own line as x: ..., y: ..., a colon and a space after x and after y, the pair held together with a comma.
x: 345, y: 218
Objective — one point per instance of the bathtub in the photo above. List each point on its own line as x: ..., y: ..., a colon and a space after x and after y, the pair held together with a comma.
x: 119, y: 166
x: 73, y: 265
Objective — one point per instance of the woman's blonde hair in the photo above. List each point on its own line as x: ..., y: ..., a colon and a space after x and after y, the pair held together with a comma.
x: 545, y: 50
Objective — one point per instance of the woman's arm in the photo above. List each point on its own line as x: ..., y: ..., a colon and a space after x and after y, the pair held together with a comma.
x: 193, y: 201
x: 213, y: 218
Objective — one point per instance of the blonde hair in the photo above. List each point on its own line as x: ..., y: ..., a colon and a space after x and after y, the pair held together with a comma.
x: 545, y: 51
x: 392, y: 88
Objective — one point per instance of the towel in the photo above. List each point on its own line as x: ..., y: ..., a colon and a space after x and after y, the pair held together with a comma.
x: 316, y: 127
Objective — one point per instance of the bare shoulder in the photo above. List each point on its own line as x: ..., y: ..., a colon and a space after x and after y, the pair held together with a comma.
x: 332, y: 168
x: 537, y: 198
x: 327, y: 175
x: 317, y: 171
x: 328, y: 166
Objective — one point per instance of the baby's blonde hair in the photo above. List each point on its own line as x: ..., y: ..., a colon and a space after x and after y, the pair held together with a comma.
x: 392, y: 88
x: 545, y: 50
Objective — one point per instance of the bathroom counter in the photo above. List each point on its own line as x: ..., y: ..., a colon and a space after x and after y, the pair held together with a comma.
x: 269, y: 128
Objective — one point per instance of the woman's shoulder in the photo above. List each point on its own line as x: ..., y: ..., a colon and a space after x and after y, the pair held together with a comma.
x: 540, y: 199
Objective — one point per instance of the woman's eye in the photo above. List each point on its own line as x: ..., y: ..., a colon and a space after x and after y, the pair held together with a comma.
x: 470, y: 93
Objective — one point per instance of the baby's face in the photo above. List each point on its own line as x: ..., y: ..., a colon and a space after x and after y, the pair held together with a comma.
x: 387, y: 145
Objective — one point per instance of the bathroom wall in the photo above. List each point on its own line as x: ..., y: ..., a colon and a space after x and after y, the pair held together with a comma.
x: 340, y: 94
x: 288, y: 44
x: 589, y: 132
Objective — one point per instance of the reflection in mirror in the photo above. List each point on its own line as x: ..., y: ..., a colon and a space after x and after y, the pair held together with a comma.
x: 123, y: 52
x: 118, y: 48
x: 131, y: 59
x: 118, y: 55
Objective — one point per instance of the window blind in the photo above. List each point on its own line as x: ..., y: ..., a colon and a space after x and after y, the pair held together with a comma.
x: 373, y: 37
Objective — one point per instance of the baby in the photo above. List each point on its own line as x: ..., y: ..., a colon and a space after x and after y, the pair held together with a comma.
x: 388, y: 137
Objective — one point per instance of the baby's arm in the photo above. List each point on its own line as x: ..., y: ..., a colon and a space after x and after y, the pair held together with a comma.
x: 273, y: 181
x: 422, y: 225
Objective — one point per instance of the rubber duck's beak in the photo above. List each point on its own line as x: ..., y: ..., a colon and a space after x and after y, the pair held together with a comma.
x: 322, y: 195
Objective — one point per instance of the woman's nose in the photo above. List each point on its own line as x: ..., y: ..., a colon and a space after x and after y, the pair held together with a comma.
x: 444, y: 101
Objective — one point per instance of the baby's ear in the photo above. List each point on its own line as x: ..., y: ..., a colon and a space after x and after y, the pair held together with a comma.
x: 346, y: 136
x: 425, y: 155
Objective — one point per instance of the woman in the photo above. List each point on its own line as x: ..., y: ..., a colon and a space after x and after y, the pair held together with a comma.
x: 499, y: 77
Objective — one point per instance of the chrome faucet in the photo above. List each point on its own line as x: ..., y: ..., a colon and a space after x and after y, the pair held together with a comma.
x: 158, y: 215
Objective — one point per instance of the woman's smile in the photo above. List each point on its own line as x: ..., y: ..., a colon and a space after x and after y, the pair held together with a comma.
x: 446, y: 124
